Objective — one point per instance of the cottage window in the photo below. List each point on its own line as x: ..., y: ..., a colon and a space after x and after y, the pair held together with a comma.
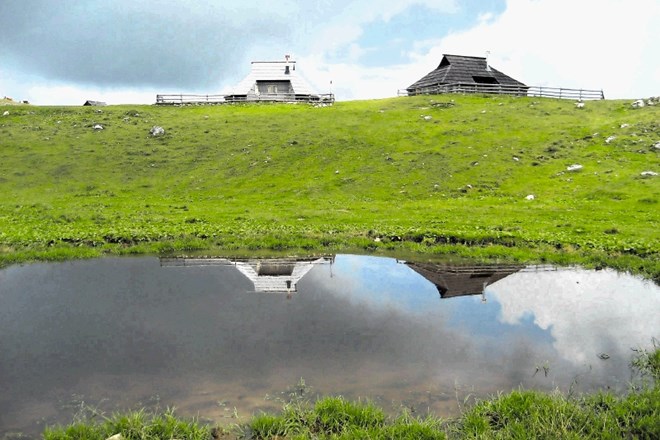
x: 485, y: 80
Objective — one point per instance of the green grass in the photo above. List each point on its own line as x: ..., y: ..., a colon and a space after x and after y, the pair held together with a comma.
x: 520, y: 414
x: 361, y: 176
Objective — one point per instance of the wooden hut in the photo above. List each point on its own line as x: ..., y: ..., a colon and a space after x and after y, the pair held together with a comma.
x: 274, y: 81
x: 465, y: 74
x: 94, y: 103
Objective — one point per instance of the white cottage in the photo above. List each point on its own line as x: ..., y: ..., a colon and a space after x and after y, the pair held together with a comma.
x: 274, y: 81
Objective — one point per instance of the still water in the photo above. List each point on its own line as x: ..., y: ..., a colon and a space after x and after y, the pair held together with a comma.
x: 221, y: 340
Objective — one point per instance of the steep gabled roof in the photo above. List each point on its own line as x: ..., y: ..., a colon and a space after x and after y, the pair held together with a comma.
x: 273, y: 71
x: 463, y: 69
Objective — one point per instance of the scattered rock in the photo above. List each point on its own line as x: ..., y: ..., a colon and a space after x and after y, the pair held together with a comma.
x: 609, y: 139
x: 579, y: 104
x: 530, y: 197
x: 377, y: 239
x: 427, y: 118
x: 516, y: 159
x: 648, y: 173
x: 603, y: 356
x: 6, y: 113
x: 98, y: 127
x: 574, y: 167
x: 638, y: 104
x: 157, y: 131
x: 336, y: 171
x: 656, y: 146
x: 625, y: 125
x: 115, y: 437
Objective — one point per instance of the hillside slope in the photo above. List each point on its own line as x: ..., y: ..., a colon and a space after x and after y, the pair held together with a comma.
x: 434, y: 175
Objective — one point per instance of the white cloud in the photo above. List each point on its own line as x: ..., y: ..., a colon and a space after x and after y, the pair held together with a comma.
x: 594, y: 44
x: 586, y: 312
x: 609, y: 44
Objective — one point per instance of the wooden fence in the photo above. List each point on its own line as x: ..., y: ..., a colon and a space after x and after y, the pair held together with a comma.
x: 182, y: 99
x: 498, y: 89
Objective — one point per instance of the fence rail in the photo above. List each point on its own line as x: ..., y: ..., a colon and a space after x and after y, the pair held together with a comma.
x: 182, y: 99
x: 498, y: 89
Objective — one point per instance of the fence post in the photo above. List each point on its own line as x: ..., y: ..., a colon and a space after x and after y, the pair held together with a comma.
x: 580, y: 94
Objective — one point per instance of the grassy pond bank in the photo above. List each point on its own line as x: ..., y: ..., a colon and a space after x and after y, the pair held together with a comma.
x: 497, y: 179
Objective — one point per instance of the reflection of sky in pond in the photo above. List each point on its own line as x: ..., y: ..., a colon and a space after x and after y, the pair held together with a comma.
x: 363, y: 327
x: 585, y: 311
x: 385, y: 282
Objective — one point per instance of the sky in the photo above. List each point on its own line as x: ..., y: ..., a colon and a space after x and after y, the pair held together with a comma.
x: 65, y: 52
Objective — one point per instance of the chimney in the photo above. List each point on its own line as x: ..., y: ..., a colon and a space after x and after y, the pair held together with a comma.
x: 286, y: 67
x: 487, y: 65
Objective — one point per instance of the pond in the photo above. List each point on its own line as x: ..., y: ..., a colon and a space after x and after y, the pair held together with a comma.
x: 222, y: 339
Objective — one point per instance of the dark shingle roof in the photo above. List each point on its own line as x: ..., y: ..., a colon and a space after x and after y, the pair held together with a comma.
x: 458, y: 281
x: 462, y: 69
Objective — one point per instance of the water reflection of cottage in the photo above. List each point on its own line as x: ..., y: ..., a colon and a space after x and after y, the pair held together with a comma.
x: 462, y: 280
x: 267, y: 275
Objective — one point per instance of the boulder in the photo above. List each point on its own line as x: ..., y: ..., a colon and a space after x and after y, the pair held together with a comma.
x: 579, y: 104
x: 157, y: 130
x: 609, y: 139
x: 648, y: 173
x: 98, y: 127
x: 115, y: 437
x: 6, y: 113
x: 574, y: 167
x: 638, y: 104
x: 530, y: 197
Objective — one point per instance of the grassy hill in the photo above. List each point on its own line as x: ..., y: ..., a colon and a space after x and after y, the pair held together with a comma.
x: 436, y: 177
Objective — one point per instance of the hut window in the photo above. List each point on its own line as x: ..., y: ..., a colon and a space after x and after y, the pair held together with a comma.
x: 485, y: 80
x: 274, y: 87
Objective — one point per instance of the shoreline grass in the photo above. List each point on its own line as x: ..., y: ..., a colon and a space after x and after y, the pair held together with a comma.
x: 514, y: 415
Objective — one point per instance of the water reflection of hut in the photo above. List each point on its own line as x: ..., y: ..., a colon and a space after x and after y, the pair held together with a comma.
x: 462, y: 280
x: 281, y: 275
x: 267, y: 275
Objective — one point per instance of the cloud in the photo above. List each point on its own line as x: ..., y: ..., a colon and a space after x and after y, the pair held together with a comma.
x: 126, y: 43
x: 608, y: 44
x: 582, y: 311
x: 368, y: 48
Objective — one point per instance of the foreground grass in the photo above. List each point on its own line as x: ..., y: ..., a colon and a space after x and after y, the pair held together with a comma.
x: 362, y: 176
x: 516, y: 415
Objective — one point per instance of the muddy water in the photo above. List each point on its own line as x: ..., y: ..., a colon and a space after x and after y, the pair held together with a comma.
x: 127, y: 333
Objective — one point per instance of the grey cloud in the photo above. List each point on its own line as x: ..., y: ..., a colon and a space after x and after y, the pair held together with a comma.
x: 155, y: 43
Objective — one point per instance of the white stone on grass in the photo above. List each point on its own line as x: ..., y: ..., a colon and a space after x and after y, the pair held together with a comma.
x: 574, y: 167
x: 157, y: 131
